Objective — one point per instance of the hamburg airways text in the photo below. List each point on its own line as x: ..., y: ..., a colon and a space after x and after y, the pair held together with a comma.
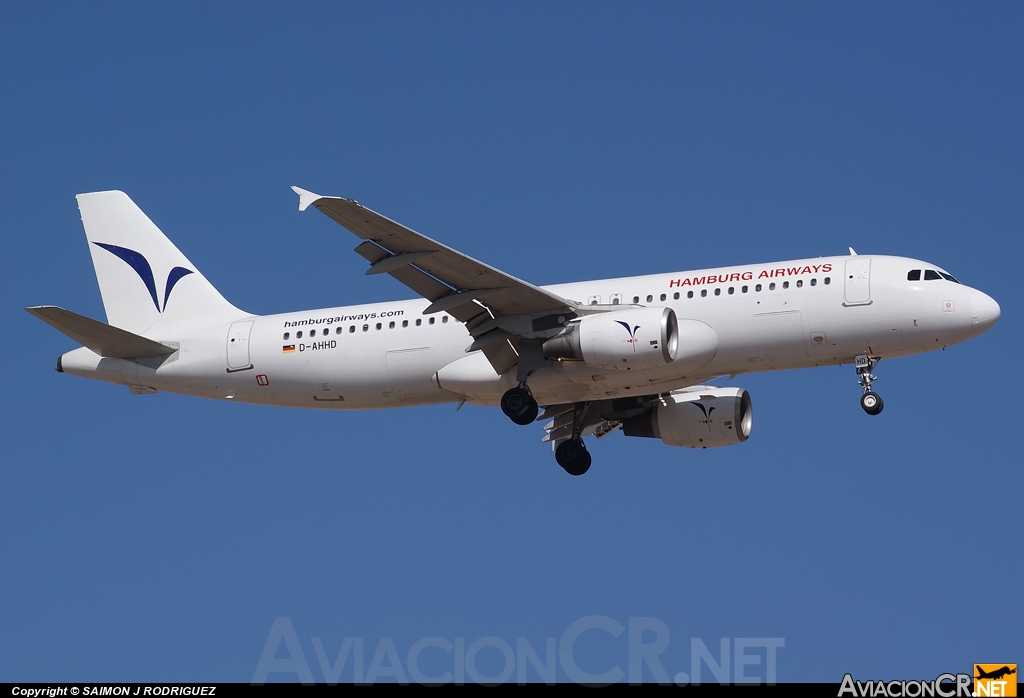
x: 748, y: 275
x: 343, y: 318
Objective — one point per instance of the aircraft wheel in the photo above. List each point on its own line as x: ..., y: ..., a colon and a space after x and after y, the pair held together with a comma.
x: 871, y: 402
x: 519, y: 406
x: 573, y: 456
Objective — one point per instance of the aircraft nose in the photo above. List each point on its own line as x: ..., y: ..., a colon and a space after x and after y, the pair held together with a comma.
x: 984, y: 311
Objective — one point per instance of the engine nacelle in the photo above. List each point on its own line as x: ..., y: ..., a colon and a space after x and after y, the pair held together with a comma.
x: 701, y: 418
x: 622, y: 339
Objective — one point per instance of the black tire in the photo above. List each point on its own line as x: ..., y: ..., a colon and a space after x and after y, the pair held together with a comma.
x: 573, y: 456
x: 529, y: 415
x: 871, y: 402
x: 519, y: 406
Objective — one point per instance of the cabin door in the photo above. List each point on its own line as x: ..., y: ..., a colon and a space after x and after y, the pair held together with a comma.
x: 858, y: 281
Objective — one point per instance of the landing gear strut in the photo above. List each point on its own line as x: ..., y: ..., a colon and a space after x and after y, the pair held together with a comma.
x: 870, y: 400
x: 572, y: 453
x: 519, y: 406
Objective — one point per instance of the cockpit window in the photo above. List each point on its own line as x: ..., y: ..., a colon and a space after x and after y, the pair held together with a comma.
x: 948, y: 277
x: 914, y: 275
x: 931, y: 275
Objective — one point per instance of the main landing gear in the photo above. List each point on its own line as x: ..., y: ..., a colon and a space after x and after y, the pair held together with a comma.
x: 519, y: 406
x: 572, y: 453
x: 870, y: 400
x: 573, y: 456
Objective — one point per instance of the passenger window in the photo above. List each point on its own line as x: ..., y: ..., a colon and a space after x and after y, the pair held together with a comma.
x: 378, y: 325
x: 287, y: 335
x: 327, y: 331
x: 785, y: 284
x: 814, y: 282
x: 718, y: 291
x: 758, y: 288
x: 405, y: 323
x: 745, y: 289
x: 914, y: 275
x: 391, y: 325
x: 771, y: 286
x: 298, y: 335
x: 675, y: 296
x: 352, y: 328
x: 828, y: 280
x: 650, y: 298
x: 689, y: 294
x: 731, y: 290
x: 663, y: 296
x: 444, y: 319
x: 366, y: 328
x: 431, y: 321
x: 800, y: 283
x: 703, y: 293
x: 338, y: 329
x: 931, y: 275
x: 636, y: 299
x: 419, y: 321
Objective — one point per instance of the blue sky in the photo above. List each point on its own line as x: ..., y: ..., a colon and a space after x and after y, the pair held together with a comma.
x: 158, y: 537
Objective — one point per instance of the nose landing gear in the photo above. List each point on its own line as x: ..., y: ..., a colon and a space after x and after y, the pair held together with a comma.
x: 870, y: 400
x: 519, y: 406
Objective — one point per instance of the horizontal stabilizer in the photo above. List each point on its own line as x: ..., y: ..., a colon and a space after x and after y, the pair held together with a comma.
x: 105, y: 340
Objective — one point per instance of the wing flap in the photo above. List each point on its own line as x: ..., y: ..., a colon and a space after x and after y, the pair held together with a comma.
x: 423, y: 284
x: 105, y: 340
x: 501, y: 356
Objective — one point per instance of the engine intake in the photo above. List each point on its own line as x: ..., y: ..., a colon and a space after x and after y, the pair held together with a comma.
x: 698, y: 418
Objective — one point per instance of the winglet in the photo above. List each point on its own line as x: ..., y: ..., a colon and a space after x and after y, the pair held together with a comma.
x: 305, y: 197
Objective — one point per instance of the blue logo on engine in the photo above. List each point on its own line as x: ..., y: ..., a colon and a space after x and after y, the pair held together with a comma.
x: 707, y: 414
x: 632, y: 333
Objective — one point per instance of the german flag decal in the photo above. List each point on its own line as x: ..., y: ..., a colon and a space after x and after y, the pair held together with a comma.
x: 288, y: 348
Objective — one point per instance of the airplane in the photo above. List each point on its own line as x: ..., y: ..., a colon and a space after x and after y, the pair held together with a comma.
x: 633, y: 354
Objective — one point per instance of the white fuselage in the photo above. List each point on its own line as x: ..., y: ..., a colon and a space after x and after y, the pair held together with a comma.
x: 811, y: 312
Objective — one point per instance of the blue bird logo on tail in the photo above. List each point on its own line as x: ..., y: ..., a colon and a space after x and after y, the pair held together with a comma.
x: 138, y: 262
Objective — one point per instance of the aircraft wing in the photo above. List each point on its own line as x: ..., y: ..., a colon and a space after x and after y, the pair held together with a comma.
x: 470, y: 291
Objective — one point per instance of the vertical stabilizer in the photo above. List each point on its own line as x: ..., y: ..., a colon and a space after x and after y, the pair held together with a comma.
x: 144, y: 280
